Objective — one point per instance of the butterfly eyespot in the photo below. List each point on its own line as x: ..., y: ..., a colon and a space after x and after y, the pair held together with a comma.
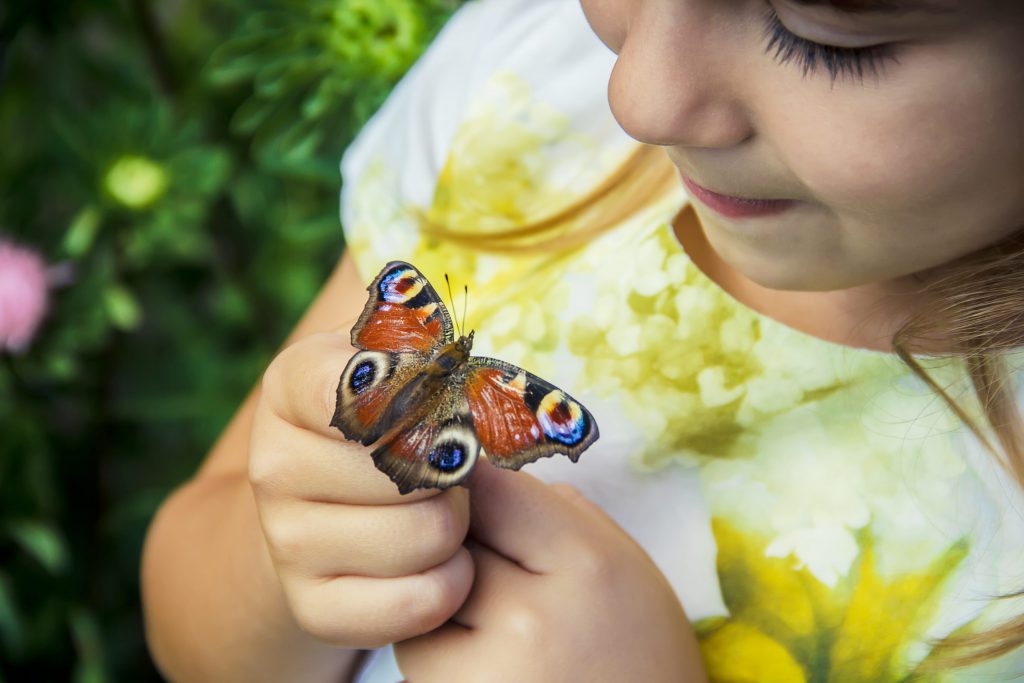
x: 362, y: 376
x: 447, y: 456
x: 561, y: 419
x: 401, y: 285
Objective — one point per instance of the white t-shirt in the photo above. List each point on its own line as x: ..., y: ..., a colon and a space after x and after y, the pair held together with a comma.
x: 818, y: 511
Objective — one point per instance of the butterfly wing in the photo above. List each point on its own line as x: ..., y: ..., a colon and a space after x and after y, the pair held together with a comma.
x: 376, y: 389
x: 519, y: 417
x: 402, y: 314
x: 437, y: 449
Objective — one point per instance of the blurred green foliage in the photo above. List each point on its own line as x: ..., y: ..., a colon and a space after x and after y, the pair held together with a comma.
x: 180, y: 160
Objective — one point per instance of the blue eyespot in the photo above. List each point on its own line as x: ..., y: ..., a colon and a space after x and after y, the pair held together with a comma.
x: 560, y: 425
x: 570, y: 433
x: 362, y: 377
x: 447, y: 457
x: 394, y: 285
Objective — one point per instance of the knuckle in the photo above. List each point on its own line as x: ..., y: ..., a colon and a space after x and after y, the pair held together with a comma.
x: 262, y: 471
x: 524, y: 623
x: 337, y: 623
x: 277, y: 371
x: 265, y: 472
x: 287, y: 541
x: 316, y: 617
x: 425, y: 601
x: 593, y: 565
x: 425, y: 604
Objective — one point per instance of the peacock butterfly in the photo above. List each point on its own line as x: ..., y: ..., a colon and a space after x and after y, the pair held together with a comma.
x: 431, y: 407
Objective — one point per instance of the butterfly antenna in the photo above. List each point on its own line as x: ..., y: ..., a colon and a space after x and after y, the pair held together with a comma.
x: 451, y: 298
x: 465, y: 302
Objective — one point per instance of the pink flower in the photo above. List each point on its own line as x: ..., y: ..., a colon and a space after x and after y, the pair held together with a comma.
x: 24, y: 298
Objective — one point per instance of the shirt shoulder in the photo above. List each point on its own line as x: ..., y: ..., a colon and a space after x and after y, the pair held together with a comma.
x: 491, y: 56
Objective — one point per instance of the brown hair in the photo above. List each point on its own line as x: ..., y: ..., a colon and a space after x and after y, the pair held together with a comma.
x: 978, y: 313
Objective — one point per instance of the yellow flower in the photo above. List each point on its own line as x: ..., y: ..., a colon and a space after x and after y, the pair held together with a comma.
x: 785, y: 625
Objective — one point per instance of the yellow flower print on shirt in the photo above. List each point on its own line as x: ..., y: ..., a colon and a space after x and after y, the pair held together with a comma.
x: 785, y: 626
x: 696, y: 370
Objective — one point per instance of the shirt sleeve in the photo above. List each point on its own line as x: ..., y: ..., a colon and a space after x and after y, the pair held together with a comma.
x: 412, y: 131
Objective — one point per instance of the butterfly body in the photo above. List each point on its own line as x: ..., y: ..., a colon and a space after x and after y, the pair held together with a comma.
x: 431, y: 407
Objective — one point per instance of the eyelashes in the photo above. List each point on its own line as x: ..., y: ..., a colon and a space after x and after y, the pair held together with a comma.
x: 855, y: 62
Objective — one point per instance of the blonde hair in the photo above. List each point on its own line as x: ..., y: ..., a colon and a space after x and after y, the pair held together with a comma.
x: 978, y: 313
x: 636, y: 183
x: 976, y: 310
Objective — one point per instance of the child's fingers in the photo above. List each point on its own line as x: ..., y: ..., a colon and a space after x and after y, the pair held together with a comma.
x: 417, y: 657
x: 294, y: 449
x: 487, y: 609
x: 523, y: 519
x: 286, y: 460
x: 576, y: 497
x: 496, y: 580
x: 300, y: 385
x: 364, y: 612
x: 324, y: 540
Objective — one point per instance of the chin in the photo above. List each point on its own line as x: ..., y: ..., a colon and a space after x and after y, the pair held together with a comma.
x: 793, y: 277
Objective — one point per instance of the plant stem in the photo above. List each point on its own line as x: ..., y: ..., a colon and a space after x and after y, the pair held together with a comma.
x: 155, y: 50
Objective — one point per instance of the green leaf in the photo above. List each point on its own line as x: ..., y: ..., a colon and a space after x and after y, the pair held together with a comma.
x: 323, y: 99
x: 61, y: 366
x: 12, y: 631
x: 82, y: 232
x: 252, y: 114
x: 122, y: 307
x: 41, y: 541
x: 202, y: 170
x: 86, y: 633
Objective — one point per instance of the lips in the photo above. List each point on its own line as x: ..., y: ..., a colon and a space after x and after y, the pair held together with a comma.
x: 736, y: 207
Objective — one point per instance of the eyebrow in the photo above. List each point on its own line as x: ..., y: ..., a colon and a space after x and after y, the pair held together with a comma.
x: 890, y: 7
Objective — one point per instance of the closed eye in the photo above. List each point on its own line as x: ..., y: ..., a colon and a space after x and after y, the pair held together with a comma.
x: 855, y: 62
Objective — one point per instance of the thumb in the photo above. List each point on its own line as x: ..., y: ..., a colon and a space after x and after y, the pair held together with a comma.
x: 526, y: 520
x: 576, y: 497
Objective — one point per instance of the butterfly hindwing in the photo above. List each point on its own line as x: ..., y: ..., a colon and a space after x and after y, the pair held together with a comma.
x: 403, y: 313
x: 519, y: 417
x: 436, y: 450
x: 373, y: 392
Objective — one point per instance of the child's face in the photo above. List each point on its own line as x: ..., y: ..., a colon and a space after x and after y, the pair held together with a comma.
x: 916, y: 164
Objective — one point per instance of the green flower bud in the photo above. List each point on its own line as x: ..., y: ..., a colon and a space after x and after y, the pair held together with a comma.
x: 135, y: 182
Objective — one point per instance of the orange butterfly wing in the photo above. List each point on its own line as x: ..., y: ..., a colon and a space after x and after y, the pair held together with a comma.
x: 402, y: 314
x: 520, y: 417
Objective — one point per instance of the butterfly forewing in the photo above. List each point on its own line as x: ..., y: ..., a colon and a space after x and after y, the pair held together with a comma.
x: 372, y: 390
x: 403, y: 313
x: 520, y: 417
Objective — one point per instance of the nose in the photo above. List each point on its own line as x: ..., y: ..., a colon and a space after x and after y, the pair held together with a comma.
x: 674, y: 82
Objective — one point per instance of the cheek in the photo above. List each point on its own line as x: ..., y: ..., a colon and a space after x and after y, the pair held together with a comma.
x: 935, y: 139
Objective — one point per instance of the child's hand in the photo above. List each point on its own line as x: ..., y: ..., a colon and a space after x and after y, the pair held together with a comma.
x: 360, y: 565
x: 561, y: 593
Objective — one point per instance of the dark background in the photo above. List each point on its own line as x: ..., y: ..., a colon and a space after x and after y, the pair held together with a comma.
x: 179, y: 161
